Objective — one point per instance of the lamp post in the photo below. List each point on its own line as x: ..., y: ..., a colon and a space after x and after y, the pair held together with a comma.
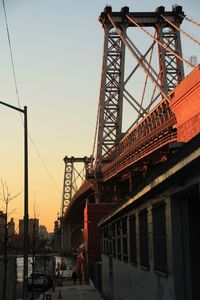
x: 25, y: 274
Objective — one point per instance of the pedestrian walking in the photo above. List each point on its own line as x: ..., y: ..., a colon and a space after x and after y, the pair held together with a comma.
x: 80, y: 276
x: 74, y: 276
x: 79, y: 262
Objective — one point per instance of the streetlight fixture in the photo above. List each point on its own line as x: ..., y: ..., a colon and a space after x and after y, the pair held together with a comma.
x: 25, y: 274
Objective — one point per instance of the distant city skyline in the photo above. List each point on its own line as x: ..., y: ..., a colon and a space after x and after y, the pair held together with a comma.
x: 13, y: 229
x: 57, y: 50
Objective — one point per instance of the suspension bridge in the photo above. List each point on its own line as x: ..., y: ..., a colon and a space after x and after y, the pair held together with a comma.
x: 160, y: 116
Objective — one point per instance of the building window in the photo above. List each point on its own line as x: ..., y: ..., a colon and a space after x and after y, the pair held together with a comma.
x: 114, y: 240
x: 143, y: 237
x: 110, y: 251
x: 159, y: 237
x: 102, y: 241
x: 124, y: 240
x: 118, y: 240
x: 132, y: 239
x: 105, y: 241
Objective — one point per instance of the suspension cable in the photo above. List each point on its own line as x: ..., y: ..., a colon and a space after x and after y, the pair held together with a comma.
x: 96, y: 128
x: 136, y: 67
x: 161, y: 44
x: 137, y: 57
x: 146, y: 79
x: 98, y: 116
x: 179, y: 29
x: 190, y: 20
x: 149, y: 67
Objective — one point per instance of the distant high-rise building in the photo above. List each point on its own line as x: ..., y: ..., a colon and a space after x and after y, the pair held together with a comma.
x: 11, y: 228
x: 2, y: 224
x: 57, y: 236
x: 43, y: 233
x: 51, y: 236
x: 33, y: 227
x: 21, y: 227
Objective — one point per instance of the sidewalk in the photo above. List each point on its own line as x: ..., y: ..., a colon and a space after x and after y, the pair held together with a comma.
x: 73, y: 292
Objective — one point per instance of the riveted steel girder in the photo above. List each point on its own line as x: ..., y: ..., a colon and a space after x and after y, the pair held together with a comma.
x: 112, y: 89
x: 111, y: 93
x: 171, y: 68
x: 71, y: 174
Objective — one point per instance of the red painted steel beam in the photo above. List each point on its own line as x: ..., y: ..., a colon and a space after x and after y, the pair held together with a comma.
x: 157, y: 130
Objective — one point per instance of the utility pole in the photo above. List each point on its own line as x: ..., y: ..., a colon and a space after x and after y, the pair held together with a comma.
x: 25, y: 274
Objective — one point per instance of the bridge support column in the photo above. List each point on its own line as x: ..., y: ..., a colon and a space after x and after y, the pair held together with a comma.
x: 111, y: 90
x: 66, y: 238
x: 171, y: 68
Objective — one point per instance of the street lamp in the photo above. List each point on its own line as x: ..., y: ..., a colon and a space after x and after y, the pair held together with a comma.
x: 25, y: 274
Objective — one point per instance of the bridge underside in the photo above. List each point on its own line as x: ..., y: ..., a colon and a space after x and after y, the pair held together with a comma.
x: 138, y: 158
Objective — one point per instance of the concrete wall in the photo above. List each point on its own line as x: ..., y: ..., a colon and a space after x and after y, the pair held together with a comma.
x: 131, y: 282
x: 134, y: 281
x: 11, y: 278
x: 66, y: 237
x: 93, y: 213
x: 126, y: 281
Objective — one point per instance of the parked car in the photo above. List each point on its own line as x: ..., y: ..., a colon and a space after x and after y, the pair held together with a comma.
x: 67, y: 271
x: 65, y: 267
x: 38, y: 281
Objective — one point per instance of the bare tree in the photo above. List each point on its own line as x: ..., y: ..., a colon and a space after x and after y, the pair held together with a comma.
x: 6, y: 198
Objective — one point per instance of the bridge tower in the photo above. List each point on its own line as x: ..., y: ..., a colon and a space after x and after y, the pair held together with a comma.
x: 113, y: 84
x: 171, y: 68
x: 73, y: 178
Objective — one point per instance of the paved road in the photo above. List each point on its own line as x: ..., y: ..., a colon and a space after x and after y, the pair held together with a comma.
x: 73, y: 292
x: 19, y: 292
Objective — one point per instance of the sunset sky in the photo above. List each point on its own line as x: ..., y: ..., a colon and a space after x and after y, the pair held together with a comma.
x: 57, y: 49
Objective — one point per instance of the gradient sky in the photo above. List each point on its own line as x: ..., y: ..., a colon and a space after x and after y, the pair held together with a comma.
x: 57, y: 49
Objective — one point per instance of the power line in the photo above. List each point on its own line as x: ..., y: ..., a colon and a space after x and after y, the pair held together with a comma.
x: 43, y: 163
x: 11, y: 54
x: 18, y: 98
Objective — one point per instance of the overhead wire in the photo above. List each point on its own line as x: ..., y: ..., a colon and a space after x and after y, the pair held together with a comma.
x: 18, y: 97
x: 11, y: 53
x: 43, y: 163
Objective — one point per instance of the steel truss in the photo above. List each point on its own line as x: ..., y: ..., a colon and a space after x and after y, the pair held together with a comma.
x: 111, y: 93
x: 152, y: 133
x: 73, y: 178
x: 171, y: 68
x: 112, y: 90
